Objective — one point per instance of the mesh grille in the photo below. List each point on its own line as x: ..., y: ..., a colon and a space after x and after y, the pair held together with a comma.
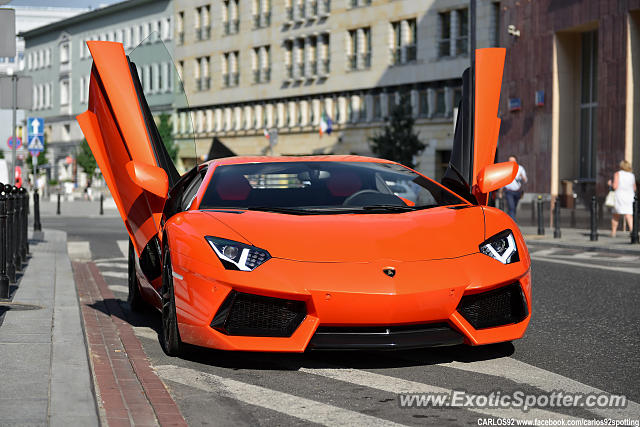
x: 499, y: 307
x: 255, y: 315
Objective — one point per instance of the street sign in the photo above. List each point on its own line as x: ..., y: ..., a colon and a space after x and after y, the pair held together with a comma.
x: 35, y: 128
x: 10, y: 142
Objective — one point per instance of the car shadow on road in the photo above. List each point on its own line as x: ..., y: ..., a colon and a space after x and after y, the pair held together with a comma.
x: 316, y: 359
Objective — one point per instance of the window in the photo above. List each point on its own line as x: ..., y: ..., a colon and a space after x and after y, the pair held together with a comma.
x: 261, y: 64
x: 588, y: 104
x: 377, y: 106
x: 440, y: 107
x: 423, y: 103
x: 230, y: 14
x: 64, y: 92
x: 261, y: 13
x: 359, y: 3
x: 403, y: 42
x: 203, y: 79
x: 180, y: 28
x: 230, y: 67
x: 203, y: 24
x: 462, y: 39
x: 495, y: 20
x: 454, y: 33
x: 64, y: 52
x: 359, y: 49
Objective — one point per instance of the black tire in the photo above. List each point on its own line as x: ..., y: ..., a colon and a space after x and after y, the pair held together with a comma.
x: 135, y: 300
x: 170, y: 340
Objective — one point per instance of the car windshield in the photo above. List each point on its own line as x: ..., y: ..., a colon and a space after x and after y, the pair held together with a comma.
x: 306, y: 187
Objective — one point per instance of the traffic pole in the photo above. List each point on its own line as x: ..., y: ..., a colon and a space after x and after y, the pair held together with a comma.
x: 11, y: 271
x: 4, y: 278
x: 58, y: 210
x: 594, y: 219
x: 636, y: 220
x: 101, y: 204
x: 540, y: 216
x: 556, y: 220
x: 36, y: 211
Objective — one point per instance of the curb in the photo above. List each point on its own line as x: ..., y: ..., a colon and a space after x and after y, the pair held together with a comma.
x: 128, y: 391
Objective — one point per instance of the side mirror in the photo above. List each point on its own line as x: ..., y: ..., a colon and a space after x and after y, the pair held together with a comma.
x: 150, y: 178
x: 495, y: 176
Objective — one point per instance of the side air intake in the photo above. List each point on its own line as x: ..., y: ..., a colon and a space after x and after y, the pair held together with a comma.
x: 498, y: 307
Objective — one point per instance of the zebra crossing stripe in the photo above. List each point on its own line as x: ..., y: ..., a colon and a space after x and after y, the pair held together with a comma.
x: 398, y: 385
x: 294, y: 406
x: 521, y: 372
x: 115, y: 274
x: 123, y: 245
x: 79, y: 250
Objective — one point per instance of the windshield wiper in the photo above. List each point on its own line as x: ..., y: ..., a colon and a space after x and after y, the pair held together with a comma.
x: 280, y: 209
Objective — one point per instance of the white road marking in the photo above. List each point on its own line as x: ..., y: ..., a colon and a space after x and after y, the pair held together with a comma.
x: 521, y: 372
x: 584, y: 264
x: 294, y: 406
x: 100, y: 260
x: 145, y: 332
x: 115, y: 274
x: 124, y: 247
x: 399, y: 385
x: 544, y: 252
x: 597, y: 257
x: 79, y: 250
x: 119, y: 288
x: 122, y: 265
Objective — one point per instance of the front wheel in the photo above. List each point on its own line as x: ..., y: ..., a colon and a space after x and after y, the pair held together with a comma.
x: 135, y: 300
x: 171, y: 343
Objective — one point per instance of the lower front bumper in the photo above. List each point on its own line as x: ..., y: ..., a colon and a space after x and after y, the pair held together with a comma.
x: 384, y: 338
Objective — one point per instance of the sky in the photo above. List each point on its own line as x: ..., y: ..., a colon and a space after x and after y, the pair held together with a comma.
x: 61, y: 3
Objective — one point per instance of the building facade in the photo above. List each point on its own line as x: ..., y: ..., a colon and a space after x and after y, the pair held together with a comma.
x: 27, y: 18
x: 570, y: 103
x: 252, y: 67
x: 57, y: 58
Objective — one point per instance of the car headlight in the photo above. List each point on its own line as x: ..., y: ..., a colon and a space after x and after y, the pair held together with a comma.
x: 502, y: 247
x: 238, y: 256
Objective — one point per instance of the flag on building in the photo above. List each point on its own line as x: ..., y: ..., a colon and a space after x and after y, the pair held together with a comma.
x: 325, y: 124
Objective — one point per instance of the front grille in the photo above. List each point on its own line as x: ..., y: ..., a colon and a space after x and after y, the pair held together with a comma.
x: 255, y: 315
x: 498, y: 307
x: 384, y: 337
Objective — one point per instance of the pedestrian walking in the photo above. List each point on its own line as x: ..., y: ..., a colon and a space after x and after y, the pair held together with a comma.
x: 514, y: 190
x: 624, y: 187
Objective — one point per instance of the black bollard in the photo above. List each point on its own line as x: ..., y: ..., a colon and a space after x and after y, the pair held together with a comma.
x: 37, y: 226
x: 11, y: 270
x: 540, y: 216
x: 636, y: 220
x: 58, y: 210
x: 556, y: 220
x: 24, y: 225
x: 4, y: 279
x: 101, y: 204
x: 17, y: 228
x: 594, y: 219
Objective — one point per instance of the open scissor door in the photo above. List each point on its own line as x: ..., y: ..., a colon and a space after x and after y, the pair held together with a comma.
x: 119, y: 128
x: 476, y: 135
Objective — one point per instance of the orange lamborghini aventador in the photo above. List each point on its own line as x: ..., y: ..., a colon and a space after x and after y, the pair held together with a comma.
x: 287, y: 254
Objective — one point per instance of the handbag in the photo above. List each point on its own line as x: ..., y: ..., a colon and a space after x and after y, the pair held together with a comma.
x: 610, y: 200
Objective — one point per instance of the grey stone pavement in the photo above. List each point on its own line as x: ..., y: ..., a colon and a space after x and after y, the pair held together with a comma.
x: 577, y: 238
x: 45, y: 377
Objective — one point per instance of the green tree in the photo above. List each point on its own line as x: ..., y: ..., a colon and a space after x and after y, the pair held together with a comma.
x: 87, y: 161
x: 398, y: 141
x: 166, y: 130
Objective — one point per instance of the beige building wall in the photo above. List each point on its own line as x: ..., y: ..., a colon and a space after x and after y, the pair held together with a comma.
x: 238, y: 115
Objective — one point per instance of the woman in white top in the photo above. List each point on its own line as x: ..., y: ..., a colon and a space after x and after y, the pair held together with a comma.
x: 624, y: 185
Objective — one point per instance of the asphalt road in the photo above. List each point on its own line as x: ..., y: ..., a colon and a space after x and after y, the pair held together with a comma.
x: 583, y: 335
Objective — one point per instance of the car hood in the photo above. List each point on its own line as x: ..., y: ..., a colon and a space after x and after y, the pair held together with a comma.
x: 428, y: 234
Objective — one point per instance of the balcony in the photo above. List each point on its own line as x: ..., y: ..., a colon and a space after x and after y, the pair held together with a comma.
x: 444, y: 47
x: 203, y: 33
x: 396, y: 56
x: 352, y: 61
x: 231, y: 27
x: 312, y: 69
x: 410, y: 53
x: 203, y: 84
x: 324, y: 67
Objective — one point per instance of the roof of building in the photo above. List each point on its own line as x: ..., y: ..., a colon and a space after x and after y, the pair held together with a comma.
x: 83, y: 17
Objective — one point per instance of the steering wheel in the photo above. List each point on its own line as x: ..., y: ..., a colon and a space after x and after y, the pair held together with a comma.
x: 359, y: 194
